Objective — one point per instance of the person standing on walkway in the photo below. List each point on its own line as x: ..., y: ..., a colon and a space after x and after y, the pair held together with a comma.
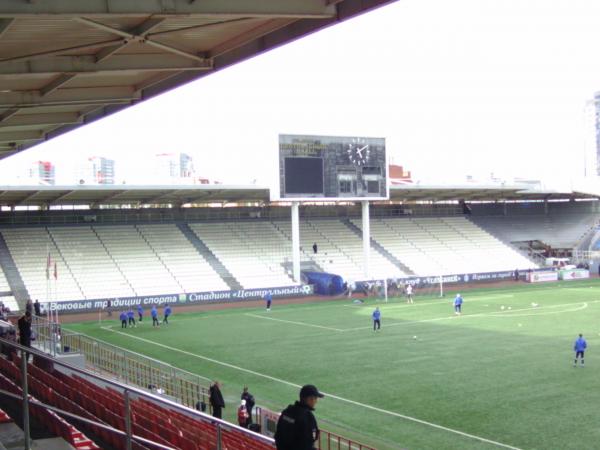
x: 216, y: 400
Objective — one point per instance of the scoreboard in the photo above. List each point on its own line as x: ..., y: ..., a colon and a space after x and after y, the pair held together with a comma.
x: 326, y: 168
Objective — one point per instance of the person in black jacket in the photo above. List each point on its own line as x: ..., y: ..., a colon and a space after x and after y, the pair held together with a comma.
x: 249, y: 403
x: 297, y: 427
x: 37, y: 308
x: 216, y: 399
x: 24, y: 324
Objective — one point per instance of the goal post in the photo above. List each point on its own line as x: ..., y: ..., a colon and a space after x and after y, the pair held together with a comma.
x: 407, y: 289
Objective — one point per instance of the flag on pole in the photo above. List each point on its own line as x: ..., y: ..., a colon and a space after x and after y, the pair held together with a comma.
x: 55, y: 271
x: 48, y: 265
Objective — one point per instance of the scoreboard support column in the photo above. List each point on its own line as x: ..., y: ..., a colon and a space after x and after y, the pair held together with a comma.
x: 366, y: 229
x: 296, y: 241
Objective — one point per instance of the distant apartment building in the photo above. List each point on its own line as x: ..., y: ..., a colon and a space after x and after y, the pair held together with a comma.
x: 42, y: 172
x: 398, y: 175
x: 97, y: 170
x: 174, y: 168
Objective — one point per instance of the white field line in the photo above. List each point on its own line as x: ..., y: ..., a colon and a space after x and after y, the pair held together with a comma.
x: 328, y: 395
x: 506, y: 313
x: 304, y: 324
x: 546, y: 313
x: 434, y: 302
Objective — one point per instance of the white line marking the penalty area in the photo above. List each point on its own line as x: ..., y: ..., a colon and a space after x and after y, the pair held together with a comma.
x: 492, y: 314
x: 293, y: 322
x: 432, y: 302
x: 336, y: 397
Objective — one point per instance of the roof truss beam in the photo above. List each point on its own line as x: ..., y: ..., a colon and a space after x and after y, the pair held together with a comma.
x: 60, y: 51
x: 5, y: 25
x: 310, y: 9
x: 59, y: 81
x: 139, y: 38
x: 140, y: 30
x: 8, y: 114
x: 14, y: 136
x: 26, y: 199
x: 46, y: 119
x: 62, y: 97
x: 61, y: 197
x: 162, y: 196
x: 87, y: 64
x: 249, y: 36
x: 113, y: 195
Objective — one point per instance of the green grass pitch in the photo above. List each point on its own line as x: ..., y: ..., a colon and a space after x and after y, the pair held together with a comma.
x: 504, y: 375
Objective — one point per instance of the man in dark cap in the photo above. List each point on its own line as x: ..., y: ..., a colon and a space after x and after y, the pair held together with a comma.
x: 297, y: 427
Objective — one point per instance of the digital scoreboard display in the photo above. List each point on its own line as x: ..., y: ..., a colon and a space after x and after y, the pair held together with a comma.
x: 304, y: 176
x: 329, y: 168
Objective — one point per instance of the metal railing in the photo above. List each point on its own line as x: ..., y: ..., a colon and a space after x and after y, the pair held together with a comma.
x: 221, y: 428
x: 332, y: 441
x: 585, y: 255
x: 124, y: 365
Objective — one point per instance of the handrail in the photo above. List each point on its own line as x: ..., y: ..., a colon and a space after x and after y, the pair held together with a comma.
x: 106, y: 358
x: 33, y: 401
x: 137, y: 391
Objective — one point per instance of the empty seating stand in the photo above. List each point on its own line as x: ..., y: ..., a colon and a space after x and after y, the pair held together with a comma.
x: 29, y: 248
x: 445, y: 245
x: 339, y: 250
x: 149, y: 419
x: 53, y: 422
x: 556, y: 230
x: 185, y: 264
x: 253, y: 252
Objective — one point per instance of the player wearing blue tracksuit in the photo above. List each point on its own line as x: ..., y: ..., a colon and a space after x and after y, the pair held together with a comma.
x: 376, y: 319
x: 131, y: 317
x: 167, y: 313
x: 458, y: 301
x: 123, y: 318
x: 140, y: 312
x: 268, y: 299
x: 579, y: 348
x: 154, y: 314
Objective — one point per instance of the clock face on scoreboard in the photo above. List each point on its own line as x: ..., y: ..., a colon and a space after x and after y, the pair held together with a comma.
x: 329, y: 168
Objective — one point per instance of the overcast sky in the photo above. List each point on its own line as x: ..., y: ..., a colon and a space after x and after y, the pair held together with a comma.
x: 456, y: 87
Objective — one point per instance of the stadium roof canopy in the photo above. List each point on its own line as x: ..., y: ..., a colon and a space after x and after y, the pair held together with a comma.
x: 64, y: 63
x: 202, y: 194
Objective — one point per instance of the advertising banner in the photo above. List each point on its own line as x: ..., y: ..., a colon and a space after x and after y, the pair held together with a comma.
x: 540, y: 277
x: 78, y: 306
x: 573, y: 274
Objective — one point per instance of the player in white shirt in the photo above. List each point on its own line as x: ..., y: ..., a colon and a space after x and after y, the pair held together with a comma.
x: 409, y: 296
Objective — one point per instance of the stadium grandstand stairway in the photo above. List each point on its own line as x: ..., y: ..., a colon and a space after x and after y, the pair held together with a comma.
x: 209, y: 256
x: 29, y: 248
x: 6, y: 296
x: 106, y: 405
x: 12, y: 288
x: 252, y: 251
x: 339, y: 249
x: 191, y: 270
